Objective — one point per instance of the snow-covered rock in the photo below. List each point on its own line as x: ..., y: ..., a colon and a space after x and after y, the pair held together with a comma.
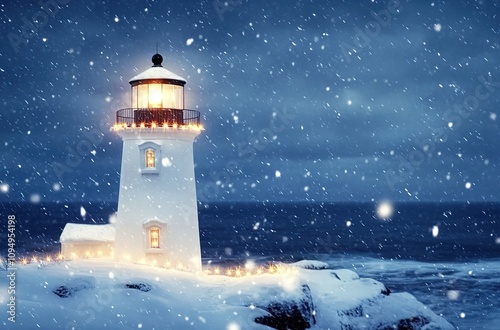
x: 96, y: 294
x: 311, y: 264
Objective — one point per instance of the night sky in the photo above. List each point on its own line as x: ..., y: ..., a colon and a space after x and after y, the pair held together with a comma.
x: 300, y: 100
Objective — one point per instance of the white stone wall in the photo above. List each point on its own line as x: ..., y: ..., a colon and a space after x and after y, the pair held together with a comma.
x: 84, y: 250
x: 169, y: 196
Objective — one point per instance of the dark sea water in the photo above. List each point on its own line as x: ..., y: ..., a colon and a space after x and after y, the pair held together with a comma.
x: 456, y: 272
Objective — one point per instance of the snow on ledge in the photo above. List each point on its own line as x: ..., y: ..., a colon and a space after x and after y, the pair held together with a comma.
x: 153, y: 221
x: 74, y: 232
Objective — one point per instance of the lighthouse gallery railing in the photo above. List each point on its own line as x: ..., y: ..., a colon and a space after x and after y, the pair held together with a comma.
x: 159, y: 116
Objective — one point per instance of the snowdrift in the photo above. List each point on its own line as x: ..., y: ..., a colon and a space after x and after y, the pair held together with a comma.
x: 100, y: 294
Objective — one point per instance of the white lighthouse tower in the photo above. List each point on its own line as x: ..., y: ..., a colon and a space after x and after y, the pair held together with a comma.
x: 157, y: 218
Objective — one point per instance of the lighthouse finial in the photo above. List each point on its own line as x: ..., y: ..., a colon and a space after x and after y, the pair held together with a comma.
x: 157, y: 59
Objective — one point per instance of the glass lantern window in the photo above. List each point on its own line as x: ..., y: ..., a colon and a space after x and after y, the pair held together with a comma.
x: 142, y: 96
x: 157, y: 95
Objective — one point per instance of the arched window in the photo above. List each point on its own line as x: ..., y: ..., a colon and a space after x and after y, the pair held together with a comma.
x: 150, y: 158
x: 154, y: 237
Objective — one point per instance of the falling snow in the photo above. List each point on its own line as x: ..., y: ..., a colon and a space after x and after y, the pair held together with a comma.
x: 395, y: 113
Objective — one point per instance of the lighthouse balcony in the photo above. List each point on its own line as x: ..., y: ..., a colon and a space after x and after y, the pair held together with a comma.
x: 153, y: 117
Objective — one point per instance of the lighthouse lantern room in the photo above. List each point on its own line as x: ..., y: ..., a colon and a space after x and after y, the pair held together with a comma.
x: 157, y: 217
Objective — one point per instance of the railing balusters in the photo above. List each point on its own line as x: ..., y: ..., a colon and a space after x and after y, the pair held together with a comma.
x: 148, y: 116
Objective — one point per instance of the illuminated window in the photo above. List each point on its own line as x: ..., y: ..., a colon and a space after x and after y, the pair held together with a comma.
x: 154, y: 95
x: 154, y: 236
x: 150, y: 158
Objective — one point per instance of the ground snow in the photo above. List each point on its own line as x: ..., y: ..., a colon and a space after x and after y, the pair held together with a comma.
x: 106, y: 294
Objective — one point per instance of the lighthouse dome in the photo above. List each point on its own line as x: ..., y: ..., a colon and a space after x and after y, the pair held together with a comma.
x: 157, y: 72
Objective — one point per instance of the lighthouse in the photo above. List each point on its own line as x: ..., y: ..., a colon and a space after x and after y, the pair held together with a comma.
x: 157, y: 216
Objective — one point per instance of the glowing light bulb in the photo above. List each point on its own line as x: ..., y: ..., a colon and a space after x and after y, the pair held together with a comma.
x: 155, y: 99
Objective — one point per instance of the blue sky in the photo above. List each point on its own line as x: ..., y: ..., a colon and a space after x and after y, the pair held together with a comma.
x: 301, y: 101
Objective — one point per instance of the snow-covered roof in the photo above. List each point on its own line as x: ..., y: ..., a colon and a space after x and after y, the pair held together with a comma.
x: 74, y: 232
x: 157, y: 72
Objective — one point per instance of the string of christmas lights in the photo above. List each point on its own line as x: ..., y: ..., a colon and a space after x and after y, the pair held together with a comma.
x: 238, y: 271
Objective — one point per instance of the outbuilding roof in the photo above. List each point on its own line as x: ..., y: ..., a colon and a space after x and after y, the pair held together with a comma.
x: 75, y: 232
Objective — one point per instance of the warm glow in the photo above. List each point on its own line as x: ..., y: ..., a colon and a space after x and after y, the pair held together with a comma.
x: 150, y: 163
x: 155, y: 97
x: 189, y: 127
x: 240, y: 272
x: 250, y: 268
x: 154, y: 234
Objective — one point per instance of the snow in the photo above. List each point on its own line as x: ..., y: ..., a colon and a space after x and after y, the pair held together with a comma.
x: 153, y: 220
x: 157, y: 72
x: 94, y: 294
x: 311, y: 264
x: 73, y: 232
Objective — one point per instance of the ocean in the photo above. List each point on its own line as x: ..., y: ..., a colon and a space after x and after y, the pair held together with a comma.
x: 446, y: 254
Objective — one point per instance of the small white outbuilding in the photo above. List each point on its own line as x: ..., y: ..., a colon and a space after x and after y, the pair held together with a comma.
x: 87, y: 241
